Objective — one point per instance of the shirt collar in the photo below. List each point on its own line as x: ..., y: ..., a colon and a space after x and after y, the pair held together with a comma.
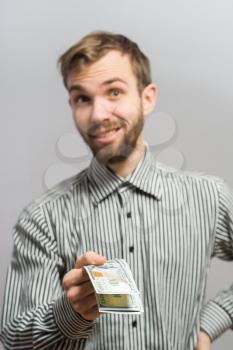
x: 145, y: 177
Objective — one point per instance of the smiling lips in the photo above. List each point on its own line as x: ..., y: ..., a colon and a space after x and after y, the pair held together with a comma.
x: 106, y: 136
x: 106, y: 133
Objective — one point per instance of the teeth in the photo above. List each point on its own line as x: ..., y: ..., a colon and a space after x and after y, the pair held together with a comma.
x: 108, y: 134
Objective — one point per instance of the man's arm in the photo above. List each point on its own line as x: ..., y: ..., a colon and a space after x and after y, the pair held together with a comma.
x: 36, y: 311
x: 217, y: 315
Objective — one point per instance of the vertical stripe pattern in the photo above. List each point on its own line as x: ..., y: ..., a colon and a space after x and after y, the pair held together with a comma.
x: 166, y: 224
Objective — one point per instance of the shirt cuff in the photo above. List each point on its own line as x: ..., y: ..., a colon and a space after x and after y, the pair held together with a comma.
x: 215, y: 320
x: 71, y: 323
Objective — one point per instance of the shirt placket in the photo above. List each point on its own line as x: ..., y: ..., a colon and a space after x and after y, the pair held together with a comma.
x: 134, y: 329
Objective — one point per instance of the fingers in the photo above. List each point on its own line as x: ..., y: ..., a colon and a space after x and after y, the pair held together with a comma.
x: 83, y: 300
x: 78, y: 293
x: 85, y: 304
x: 74, y: 277
x: 204, y: 341
x: 79, y: 290
x: 78, y: 275
x: 89, y: 258
x: 91, y: 314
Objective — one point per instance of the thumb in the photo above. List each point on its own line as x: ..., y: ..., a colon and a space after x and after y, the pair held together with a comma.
x: 89, y: 258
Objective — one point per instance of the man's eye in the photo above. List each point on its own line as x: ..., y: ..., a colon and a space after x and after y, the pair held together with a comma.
x: 81, y: 99
x: 115, y: 92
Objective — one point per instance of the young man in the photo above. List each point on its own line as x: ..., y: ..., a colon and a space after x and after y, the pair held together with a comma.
x: 166, y: 224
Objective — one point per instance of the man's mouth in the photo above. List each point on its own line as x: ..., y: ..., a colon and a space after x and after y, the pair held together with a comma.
x: 106, y: 136
x: 106, y: 133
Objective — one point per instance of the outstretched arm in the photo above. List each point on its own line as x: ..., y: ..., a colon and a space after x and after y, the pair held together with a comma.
x: 37, y: 313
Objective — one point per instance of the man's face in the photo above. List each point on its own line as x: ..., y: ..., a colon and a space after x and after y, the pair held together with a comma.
x: 107, y: 107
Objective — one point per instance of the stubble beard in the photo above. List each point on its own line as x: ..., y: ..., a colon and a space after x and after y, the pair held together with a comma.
x: 112, y: 154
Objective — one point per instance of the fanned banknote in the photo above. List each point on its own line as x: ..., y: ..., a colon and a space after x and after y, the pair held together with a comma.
x: 116, y: 291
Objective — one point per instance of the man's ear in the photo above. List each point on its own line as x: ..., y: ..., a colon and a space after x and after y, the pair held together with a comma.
x: 149, y: 98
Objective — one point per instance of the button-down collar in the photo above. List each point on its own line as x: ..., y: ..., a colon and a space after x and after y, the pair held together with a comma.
x: 144, y: 177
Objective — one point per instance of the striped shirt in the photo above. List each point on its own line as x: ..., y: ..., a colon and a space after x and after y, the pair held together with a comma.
x: 166, y: 224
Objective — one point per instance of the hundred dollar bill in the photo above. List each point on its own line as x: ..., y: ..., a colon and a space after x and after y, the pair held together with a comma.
x: 115, y: 288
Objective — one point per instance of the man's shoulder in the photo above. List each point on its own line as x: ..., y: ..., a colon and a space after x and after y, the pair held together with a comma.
x: 188, y: 177
x: 64, y: 190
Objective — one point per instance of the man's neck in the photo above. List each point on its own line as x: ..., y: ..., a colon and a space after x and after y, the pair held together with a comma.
x: 125, y: 167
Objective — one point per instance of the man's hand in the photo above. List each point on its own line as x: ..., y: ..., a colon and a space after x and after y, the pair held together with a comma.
x: 79, y: 290
x: 203, y: 342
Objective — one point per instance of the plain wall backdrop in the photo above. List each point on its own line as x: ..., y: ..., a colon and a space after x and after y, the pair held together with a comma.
x: 190, y: 46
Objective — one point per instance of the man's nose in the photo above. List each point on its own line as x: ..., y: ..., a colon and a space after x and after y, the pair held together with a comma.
x: 100, y: 110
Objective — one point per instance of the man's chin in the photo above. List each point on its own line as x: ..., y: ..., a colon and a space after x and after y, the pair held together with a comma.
x: 107, y: 155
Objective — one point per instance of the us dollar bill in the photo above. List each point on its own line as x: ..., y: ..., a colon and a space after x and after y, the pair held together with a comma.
x: 115, y: 288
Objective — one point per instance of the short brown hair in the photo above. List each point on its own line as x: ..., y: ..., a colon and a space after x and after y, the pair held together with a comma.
x: 95, y: 45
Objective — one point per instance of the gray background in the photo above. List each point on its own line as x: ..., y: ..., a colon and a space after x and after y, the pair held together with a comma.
x: 190, y: 47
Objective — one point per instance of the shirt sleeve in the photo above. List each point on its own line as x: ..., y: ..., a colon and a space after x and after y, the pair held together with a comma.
x: 36, y: 313
x: 217, y: 315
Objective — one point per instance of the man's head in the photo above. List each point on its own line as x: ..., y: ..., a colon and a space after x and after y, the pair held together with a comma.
x: 95, y: 45
x: 110, y: 90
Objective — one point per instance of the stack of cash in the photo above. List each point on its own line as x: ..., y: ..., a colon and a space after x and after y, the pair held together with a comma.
x: 116, y: 291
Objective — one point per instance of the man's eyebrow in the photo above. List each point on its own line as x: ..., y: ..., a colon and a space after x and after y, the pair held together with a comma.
x: 114, y: 80
x: 78, y: 87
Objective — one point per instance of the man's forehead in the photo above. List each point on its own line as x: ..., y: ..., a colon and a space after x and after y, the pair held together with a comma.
x: 113, y: 66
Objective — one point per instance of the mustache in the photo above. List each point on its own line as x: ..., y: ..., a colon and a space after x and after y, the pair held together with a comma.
x: 104, y: 126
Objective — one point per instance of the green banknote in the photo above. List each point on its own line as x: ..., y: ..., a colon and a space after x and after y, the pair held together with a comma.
x: 115, y: 288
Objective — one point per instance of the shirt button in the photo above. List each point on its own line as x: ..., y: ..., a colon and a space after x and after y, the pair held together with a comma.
x: 134, y: 324
x: 131, y: 249
x: 128, y: 215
